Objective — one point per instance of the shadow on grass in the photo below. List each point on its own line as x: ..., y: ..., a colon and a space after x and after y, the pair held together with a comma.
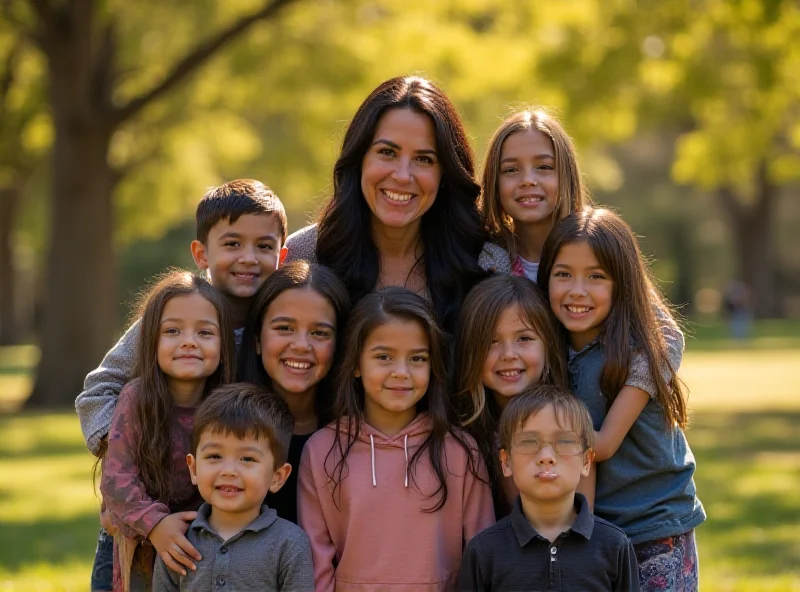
x: 747, y: 477
x: 49, y: 541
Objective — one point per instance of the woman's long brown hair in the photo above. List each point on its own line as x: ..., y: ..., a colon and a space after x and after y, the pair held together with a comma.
x: 154, y: 407
x: 632, y: 321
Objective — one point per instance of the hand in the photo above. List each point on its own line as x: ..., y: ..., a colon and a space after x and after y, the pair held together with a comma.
x: 106, y: 523
x: 173, y: 547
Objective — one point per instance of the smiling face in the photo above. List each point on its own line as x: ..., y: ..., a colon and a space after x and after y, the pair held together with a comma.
x: 545, y: 476
x: 298, y: 340
x: 395, y: 370
x: 189, y: 342
x: 581, y: 292
x: 400, y: 172
x: 234, y: 474
x: 515, y: 359
x: 528, y: 182
x: 240, y: 256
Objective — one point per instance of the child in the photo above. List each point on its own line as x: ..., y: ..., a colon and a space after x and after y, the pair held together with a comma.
x: 241, y: 228
x: 531, y: 179
x: 622, y: 362
x: 507, y: 340
x: 239, y: 446
x: 551, y: 540
x: 289, y: 345
x: 391, y: 492
x: 185, y: 349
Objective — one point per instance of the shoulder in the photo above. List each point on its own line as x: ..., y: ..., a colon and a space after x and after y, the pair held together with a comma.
x: 489, y: 537
x: 495, y: 258
x: 320, y: 441
x: 302, y: 244
x: 606, y: 531
x: 287, y: 533
x: 128, y: 394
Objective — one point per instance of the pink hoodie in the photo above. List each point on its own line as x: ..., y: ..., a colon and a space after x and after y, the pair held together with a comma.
x: 380, y: 537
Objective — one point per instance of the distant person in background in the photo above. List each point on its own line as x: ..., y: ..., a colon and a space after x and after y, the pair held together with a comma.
x: 738, y: 308
x: 404, y: 210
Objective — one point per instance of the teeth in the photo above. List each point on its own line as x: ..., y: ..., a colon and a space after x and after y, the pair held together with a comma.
x: 397, y: 196
x: 510, y: 373
x: 228, y: 488
x: 578, y: 309
x: 530, y: 199
x: 297, y: 365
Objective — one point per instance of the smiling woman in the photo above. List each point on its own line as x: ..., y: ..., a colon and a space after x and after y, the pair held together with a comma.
x: 404, y: 208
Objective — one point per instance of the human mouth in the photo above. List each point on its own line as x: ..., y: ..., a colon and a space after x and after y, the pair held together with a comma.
x: 531, y: 199
x: 188, y: 358
x: 247, y: 277
x: 577, y: 310
x: 396, y: 196
x: 299, y: 365
x: 546, y: 476
x: 510, y: 374
x: 229, y: 489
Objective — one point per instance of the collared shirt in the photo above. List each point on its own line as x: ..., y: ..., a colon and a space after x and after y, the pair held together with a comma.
x: 270, y: 554
x: 511, y: 556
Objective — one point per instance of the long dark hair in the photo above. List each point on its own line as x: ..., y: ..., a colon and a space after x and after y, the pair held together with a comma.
x: 478, y: 411
x: 635, y: 298
x: 452, y: 232
x: 294, y: 275
x: 154, y: 407
x: 372, y: 311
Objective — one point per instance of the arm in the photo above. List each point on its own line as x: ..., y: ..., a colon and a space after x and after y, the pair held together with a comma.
x: 469, y: 575
x: 297, y: 570
x: 95, y: 405
x: 164, y: 579
x: 627, y: 570
x: 623, y: 413
x: 478, y: 508
x: 302, y: 245
x: 311, y: 519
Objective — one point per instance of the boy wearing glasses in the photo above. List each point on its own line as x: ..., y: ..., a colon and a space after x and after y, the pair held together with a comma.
x: 551, y: 540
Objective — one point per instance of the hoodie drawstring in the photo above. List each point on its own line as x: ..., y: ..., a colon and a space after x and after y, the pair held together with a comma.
x: 372, y: 449
x: 405, y: 449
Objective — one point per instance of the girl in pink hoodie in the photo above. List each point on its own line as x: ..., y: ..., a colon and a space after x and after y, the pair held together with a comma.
x: 391, y: 492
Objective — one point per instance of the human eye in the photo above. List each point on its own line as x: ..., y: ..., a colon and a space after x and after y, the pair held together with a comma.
x: 171, y: 331
x: 560, y: 274
x: 321, y: 333
x: 425, y: 159
x: 212, y: 456
x: 509, y: 170
x: 281, y: 328
x: 421, y: 359
x: 528, y: 444
x: 598, y: 275
x: 207, y: 332
x: 231, y: 244
x: 383, y: 357
x: 524, y: 337
x: 567, y: 445
x: 386, y: 151
x: 266, y: 247
x: 249, y: 459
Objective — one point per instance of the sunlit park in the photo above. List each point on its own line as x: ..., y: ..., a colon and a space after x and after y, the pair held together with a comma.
x: 115, y: 117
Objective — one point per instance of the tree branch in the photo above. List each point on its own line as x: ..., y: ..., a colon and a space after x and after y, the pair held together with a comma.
x: 196, y: 58
x: 44, y: 10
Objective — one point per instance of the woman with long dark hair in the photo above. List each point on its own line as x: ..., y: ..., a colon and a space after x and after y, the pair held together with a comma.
x: 404, y: 210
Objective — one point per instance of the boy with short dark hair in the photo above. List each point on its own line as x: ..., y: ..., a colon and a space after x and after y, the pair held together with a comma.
x: 241, y: 230
x: 551, y: 540
x: 240, y: 442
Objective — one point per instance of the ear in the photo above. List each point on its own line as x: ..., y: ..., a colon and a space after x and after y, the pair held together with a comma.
x: 504, y: 463
x: 199, y: 254
x: 192, y: 467
x: 357, y: 373
x: 280, y: 476
x: 284, y: 252
x: 258, y: 346
x: 588, y: 459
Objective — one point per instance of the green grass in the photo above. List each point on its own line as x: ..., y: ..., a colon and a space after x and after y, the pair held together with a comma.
x: 744, y: 434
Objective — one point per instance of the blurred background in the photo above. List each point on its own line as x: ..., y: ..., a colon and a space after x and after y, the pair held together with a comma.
x: 115, y: 117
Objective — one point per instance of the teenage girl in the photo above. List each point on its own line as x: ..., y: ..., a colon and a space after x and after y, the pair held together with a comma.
x: 390, y: 493
x: 185, y: 350
x: 623, y: 356
x: 289, y: 345
x: 507, y: 341
x: 531, y: 179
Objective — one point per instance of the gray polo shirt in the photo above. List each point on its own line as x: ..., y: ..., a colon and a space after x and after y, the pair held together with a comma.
x: 270, y: 554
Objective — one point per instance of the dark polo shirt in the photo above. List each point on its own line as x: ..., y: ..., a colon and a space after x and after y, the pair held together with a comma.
x: 511, y: 556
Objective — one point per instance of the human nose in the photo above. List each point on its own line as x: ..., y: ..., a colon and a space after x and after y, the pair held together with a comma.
x: 300, y: 341
x: 529, y: 177
x: 508, y: 352
x: 400, y: 370
x: 230, y: 467
x: 402, y: 170
x: 576, y: 287
x: 247, y: 255
x: 546, y: 454
x: 188, y: 339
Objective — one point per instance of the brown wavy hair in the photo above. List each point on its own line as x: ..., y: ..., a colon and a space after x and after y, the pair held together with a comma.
x: 572, y: 191
x: 478, y: 412
x: 154, y: 407
x: 632, y: 321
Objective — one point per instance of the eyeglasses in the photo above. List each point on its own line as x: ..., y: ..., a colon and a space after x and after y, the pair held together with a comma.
x: 563, y: 445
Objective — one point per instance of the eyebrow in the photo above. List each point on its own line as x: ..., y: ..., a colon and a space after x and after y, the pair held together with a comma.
x: 231, y: 234
x: 596, y: 267
x: 176, y: 320
x: 419, y: 350
x: 537, y: 157
x: 253, y: 449
x: 398, y: 147
x: 294, y: 320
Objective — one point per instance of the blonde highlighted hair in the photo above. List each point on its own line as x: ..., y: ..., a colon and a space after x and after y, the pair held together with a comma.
x: 572, y: 193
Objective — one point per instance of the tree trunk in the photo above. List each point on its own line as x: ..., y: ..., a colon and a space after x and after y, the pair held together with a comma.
x: 79, y: 294
x: 752, y: 238
x: 9, y: 201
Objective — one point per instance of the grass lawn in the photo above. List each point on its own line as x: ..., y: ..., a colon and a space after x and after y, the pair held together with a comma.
x: 746, y: 413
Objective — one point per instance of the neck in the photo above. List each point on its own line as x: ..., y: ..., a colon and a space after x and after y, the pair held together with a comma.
x: 550, y: 517
x: 186, y: 393
x: 237, y: 310
x: 502, y: 402
x: 228, y: 524
x: 302, y: 407
x: 530, y: 239
x: 388, y: 422
x: 396, y: 243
